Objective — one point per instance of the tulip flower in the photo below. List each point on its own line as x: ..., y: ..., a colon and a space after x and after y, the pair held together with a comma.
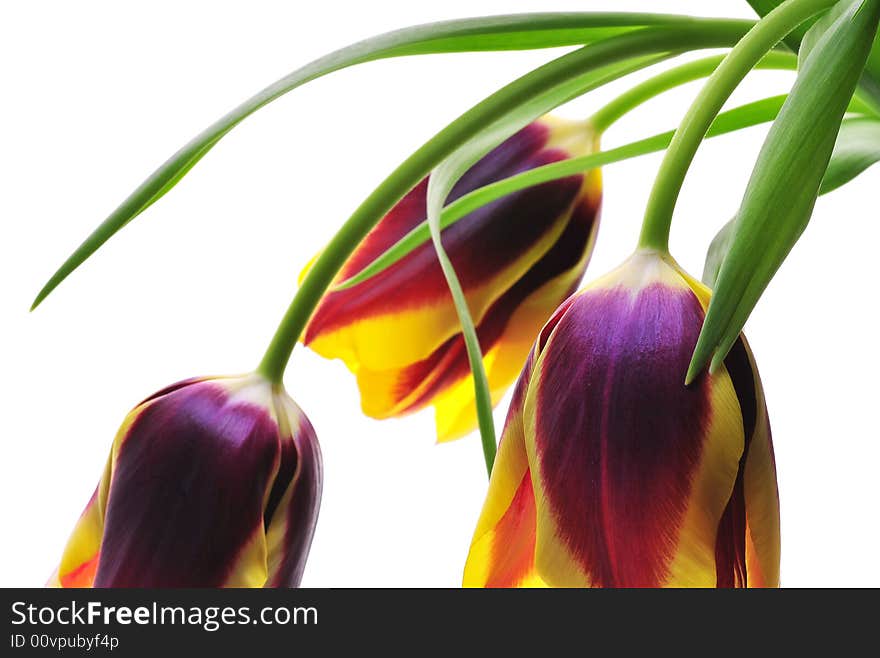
x: 611, y: 472
x: 517, y: 259
x: 211, y: 482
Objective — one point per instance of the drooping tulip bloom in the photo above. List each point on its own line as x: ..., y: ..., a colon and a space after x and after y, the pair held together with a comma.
x: 211, y: 482
x: 517, y: 259
x: 612, y: 473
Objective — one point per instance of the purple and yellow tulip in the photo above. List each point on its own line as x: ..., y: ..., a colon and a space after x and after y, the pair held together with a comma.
x: 517, y: 259
x: 612, y: 473
x: 210, y: 482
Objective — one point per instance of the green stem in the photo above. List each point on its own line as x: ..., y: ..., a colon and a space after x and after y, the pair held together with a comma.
x: 766, y: 34
x: 632, y: 98
x: 705, y: 34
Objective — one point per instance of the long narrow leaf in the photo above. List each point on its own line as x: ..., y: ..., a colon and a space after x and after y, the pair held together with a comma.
x: 869, y: 84
x: 444, y: 178
x: 857, y: 149
x: 645, y: 45
x: 522, y: 31
x: 483, y: 397
x: 815, y: 33
x: 716, y: 253
x: 648, y: 42
x: 787, y: 177
x: 748, y: 115
x: 441, y: 183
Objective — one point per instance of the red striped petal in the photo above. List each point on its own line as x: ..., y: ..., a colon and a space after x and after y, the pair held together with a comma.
x: 196, y: 474
x: 188, y: 487
x: 291, y: 523
x: 505, y: 332
x: 618, y: 438
x: 403, y: 315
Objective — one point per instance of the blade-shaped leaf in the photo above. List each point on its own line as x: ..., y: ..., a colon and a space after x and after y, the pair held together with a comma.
x: 717, y: 252
x: 784, y: 185
x: 441, y: 183
x: 522, y: 31
x: 869, y: 84
x: 857, y: 149
x: 482, y: 394
x: 745, y: 116
x: 448, y: 172
x: 648, y: 42
x: 821, y: 24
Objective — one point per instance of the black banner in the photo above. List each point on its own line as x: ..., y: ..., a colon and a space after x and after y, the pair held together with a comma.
x: 341, y: 622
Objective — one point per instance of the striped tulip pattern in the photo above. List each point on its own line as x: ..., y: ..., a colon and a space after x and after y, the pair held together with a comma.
x: 211, y: 482
x: 517, y: 259
x: 611, y: 472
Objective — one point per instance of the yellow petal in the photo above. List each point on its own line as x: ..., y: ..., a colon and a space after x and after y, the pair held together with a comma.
x: 502, y: 551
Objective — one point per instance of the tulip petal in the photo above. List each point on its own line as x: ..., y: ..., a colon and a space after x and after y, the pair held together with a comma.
x: 747, y: 544
x: 506, y: 334
x: 762, y: 549
x: 632, y: 471
x: 762, y: 510
x: 185, y: 506
x: 632, y: 479
x: 79, y: 562
x: 405, y: 313
x: 532, y: 300
x: 713, y: 487
x: 292, y: 511
x: 730, y: 543
x: 502, y: 552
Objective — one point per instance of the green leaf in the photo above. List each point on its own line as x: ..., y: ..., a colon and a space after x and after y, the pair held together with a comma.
x: 639, y: 43
x: 443, y: 179
x: 786, y: 179
x: 738, y: 118
x: 869, y: 85
x: 717, y: 252
x: 857, y: 148
x: 482, y: 394
x: 522, y: 31
x: 821, y: 25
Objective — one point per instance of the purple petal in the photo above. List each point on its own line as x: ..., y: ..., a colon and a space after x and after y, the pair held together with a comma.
x: 187, y: 491
x: 301, y: 475
x: 512, y: 225
x: 619, y: 437
x: 730, y: 542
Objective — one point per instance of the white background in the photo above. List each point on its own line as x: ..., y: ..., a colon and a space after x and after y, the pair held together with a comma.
x: 96, y: 94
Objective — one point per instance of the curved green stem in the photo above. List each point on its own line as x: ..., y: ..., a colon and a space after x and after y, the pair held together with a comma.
x: 635, y: 96
x: 705, y: 34
x: 769, y: 31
